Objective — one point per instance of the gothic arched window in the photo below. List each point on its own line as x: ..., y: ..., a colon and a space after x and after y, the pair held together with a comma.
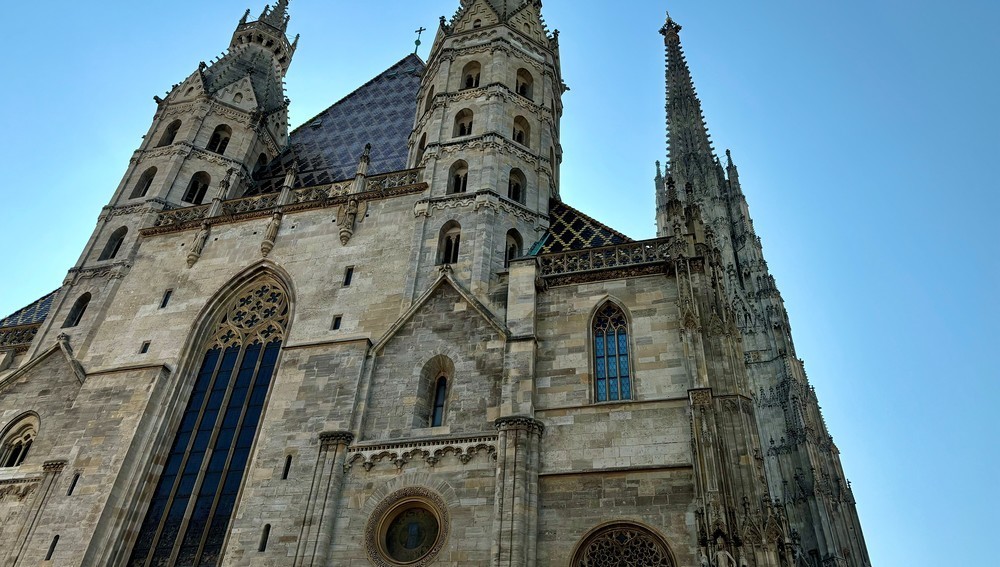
x: 16, y: 441
x: 516, y: 186
x: 220, y: 139
x: 612, y: 371
x: 142, y: 186
x: 114, y: 244
x: 463, y: 123
x: 458, y: 178
x: 623, y: 545
x: 522, y: 131
x: 197, y: 188
x: 525, y: 83
x: 421, y: 149
x: 195, y: 496
x: 76, y: 313
x: 513, y: 249
x: 451, y: 238
x: 169, y: 134
x: 429, y: 101
x: 440, y: 396
x: 470, y: 75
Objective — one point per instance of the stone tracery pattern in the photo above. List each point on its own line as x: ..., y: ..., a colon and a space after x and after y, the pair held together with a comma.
x: 623, y: 545
x: 259, y: 315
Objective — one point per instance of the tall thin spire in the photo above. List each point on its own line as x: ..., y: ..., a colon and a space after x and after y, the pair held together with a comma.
x: 689, y: 148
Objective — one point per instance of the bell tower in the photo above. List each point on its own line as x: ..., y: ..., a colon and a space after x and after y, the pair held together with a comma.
x: 208, y: 135
x: 487, y: 129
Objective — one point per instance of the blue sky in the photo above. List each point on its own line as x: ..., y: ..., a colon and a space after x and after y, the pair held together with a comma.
x: 865, y: 133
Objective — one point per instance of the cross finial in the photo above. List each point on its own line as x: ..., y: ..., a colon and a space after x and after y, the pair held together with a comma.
x: 419, y: 32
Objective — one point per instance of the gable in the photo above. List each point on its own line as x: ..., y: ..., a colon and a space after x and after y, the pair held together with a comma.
x: 480, y: 10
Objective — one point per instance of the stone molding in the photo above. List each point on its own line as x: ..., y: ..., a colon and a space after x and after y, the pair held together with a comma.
x: 116, y: 270
x: 431, y: 451
x: 18, y: 489
x: 374, y: 531
x: 54, y: 466
x: 329, y: 439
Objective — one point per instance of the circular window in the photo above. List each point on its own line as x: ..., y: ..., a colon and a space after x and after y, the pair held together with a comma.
x: 407, y: 529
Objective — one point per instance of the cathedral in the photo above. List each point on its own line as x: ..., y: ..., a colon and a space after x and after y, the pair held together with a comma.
x: 385, y: 339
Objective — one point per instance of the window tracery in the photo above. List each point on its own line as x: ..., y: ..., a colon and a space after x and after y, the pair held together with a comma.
x: 197, y: 188
x: 195, y: 497
x: 612, y: 370
x: 623, y: 545
x: 16, y: 444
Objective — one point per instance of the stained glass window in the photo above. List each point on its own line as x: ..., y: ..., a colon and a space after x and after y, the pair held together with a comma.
x: 612, y: 371
x: 192, y: 505
x: 623, y: 545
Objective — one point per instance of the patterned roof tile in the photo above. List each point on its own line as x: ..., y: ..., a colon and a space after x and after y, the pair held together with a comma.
x: 572, y: 229
x: 30, y: 315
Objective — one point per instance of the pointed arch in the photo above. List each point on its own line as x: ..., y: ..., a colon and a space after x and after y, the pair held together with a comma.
x: 623, y: 543
x: 16, y: 439
x: 421, y: 149
x: 197, y: 188
x: 220, y: 139
x: 611, y: 347
x: 142, y: 186
x: 230, y: 363
x: 429, y: 101
x: 114, y: 244
x: 77, y: 311
x: 169, y: 134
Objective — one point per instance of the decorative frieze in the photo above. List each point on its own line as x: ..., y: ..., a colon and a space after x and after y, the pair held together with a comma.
x: 18, y: 489
x: 18, y: 338
x: 430, y: 451
x: 116, y: 270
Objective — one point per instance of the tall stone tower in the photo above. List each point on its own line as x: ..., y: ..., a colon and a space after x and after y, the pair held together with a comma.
x: 801, y: 462
x: 385, y: 339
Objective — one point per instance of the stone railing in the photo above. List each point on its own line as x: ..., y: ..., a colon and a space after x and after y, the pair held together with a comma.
x: 308, y: 196
x: 18, y: 338
x: 250, y: 204
x: 181, y: 216
x: 626, y: 255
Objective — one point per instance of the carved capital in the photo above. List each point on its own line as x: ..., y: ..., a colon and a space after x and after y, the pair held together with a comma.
x: 520, y: 423
x: 702, y: 397
x: 53, y: 467
x: 330, y: 439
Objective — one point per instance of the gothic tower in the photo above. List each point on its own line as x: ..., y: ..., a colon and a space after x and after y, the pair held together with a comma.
x: 486, y: 134
x: 207, y: 137
x: 801, y: 462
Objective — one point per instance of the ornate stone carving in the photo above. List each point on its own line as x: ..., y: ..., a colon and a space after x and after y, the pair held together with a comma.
x: 198, y: 244
x: 330, y: 439
x: 520, y: 423
x: 623, y: 545
x: 406, y: 498
x: 259, y: 314
x: 116, y: 270
x: 270, y: 235
x: 18, y: 338
x: 399, y: 454
x: 18, y: 489
x: 347, y: 218
x: 701, y: 397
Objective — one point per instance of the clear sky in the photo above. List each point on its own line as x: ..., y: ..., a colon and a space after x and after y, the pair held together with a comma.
x: 865, y: 132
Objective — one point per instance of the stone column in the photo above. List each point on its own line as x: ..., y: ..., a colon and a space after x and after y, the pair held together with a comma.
x: 516, y: 503
x: 320, y: 518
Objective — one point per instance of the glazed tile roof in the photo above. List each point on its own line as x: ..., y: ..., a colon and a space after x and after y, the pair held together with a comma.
x: 327, y: 147
x: 571, y: 229
x: 34, y: 313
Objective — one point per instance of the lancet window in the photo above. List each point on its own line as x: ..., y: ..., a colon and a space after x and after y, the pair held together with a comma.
x: 522, y: 131
x: 612, y: 370
x: 76, y: 313
x: 463, y: 123
x: 169, y: 134
x: 440, y: 396
x: 525, y: 83
x: 513, y: 249
x: 459, y: 177
x: 220, y: 139
x: 451, y: 238
x: 516, y: 185
x: 471, y: 74
x: 195, y: 497
x: 197, y: 188
x: 114, y: 244
x: 142, y: 186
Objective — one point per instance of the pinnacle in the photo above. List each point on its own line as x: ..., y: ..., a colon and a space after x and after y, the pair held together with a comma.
x: 276, y: 17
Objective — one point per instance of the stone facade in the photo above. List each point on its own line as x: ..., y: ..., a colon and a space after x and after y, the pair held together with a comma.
x: 444, y: 393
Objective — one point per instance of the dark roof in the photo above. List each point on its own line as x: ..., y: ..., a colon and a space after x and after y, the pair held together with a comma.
x: 34, y: 313
x: 327, y: 147
x: 571, y: 229
x: 250, y: 62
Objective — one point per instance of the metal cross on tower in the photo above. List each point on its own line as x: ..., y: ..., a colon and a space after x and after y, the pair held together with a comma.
x: 419, y: 32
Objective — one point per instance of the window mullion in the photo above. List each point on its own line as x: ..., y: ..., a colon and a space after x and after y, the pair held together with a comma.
x: 232, y: 448
x: 184, y: 459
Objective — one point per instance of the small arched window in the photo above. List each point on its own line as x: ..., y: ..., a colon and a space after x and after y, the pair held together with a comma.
x: 261, y: 162
x: 470, y: 75
x: 169, y: 134
x: 516, y: 186
x: 513, y: 247
x: 114, y: 244
x: 76, y: 313
x: 142, y: 186
x: 463, y: 123
x: 421, y: 148
x: 458, y: 178
x: 440, y: 396
x: 17, y: 440
x: 477, y: 24
x: 612, y: 370
x: 197, y: 188
x: 522, y: 131
x: 525, y: 83
x: 429, y: 101
x: 220, y: 139
x: 449, y: 243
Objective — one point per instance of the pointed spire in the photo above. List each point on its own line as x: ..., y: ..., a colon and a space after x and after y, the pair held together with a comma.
x: 276, y: 17
x: 689, y: 148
